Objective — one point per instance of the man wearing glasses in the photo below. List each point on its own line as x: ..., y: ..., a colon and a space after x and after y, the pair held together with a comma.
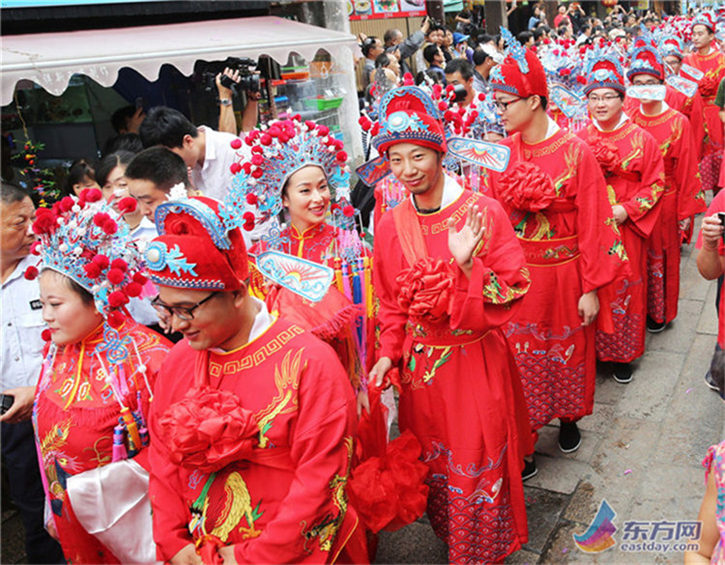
x: 253, y: 417
x: 634, y: 171
x: 556, y: 199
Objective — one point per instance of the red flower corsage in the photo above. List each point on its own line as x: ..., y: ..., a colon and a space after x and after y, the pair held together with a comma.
x: 526, y: 187
x: 426, y: 289
x: 209, y: 429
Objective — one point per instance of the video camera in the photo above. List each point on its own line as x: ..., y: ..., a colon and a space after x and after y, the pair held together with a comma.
x: 459, y: 93
x: 248, y: 77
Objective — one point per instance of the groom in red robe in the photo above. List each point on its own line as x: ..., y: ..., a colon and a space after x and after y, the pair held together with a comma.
x: 708, y: 59
x: 448, y: 275
x: 253, y: 418
x: 633, y: 168
x: 555, y: 197
x: 682, y: 197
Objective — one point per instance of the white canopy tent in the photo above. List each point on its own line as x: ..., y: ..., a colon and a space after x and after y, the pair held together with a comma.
x: 51, y: 59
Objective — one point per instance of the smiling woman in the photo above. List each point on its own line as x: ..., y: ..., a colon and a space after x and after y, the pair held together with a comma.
x: 306, y: 195
x: 299, y: 169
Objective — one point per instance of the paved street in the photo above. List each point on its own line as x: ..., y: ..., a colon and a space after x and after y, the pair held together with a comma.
x: 641, y: 449
x: 641, y: 452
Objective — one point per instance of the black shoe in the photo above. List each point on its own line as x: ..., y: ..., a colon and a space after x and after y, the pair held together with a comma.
x: 622, y: 373
x: 655, y: 327
x: 529, y: 470
x: 710, y: 382
x: 569, y: 437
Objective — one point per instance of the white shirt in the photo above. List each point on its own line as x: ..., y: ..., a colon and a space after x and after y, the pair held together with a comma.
x: 214, y: 178
x: 451, y: 191
x: 22, y: 324
x: 551, y: 128
x: 664, y: 108
x: 262, y: 320
x: 140, y: 308
x: 622, y: 119
x: 145, y: 231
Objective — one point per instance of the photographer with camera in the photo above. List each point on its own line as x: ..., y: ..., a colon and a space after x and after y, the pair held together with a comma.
x: 394, y: 38
x: 459, y: 73
x: 225, y: 83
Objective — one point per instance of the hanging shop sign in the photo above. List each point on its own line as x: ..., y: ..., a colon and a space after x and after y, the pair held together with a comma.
x: 375, y: 9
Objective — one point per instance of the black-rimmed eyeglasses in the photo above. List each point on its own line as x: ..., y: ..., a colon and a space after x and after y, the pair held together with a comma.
x: 502, y: 105
x: 182, y: 312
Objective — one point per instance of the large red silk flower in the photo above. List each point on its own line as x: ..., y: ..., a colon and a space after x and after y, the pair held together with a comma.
x: 389, y: 491
x: 209, y: 429
x: 606, y: 154
x: 708, y: 85
x: 527, y: 187
x: 426, y: 289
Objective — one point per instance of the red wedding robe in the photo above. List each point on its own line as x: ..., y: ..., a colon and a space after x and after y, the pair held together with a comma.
x: 333, y: 318
x: 713, y: 65
x: 634, y: 172
x: 461, y: 395
x: 282, y: 498
x: 691, y: 108
x: 572, y: 247
x: 74, y: 416
x: 682, y: 198
x: 318, y: 243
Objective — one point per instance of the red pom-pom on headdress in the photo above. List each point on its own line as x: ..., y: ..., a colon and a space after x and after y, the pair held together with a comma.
x: 91, y: 195
x: 117, y: 299
x: 114, y: 276
x: 127, y: 205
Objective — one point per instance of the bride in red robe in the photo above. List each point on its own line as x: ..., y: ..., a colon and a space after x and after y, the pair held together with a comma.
x: 300, y: 175
x: 93, y: 395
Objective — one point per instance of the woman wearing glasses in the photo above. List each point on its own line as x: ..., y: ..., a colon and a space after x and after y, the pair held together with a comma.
x: 93, y: 395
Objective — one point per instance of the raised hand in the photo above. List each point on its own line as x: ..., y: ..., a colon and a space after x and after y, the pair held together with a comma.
x: 463, y: 243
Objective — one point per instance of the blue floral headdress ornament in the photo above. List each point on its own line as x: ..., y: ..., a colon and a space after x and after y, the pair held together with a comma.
x: 85, y: 239
x: 277, y: 152
x: 515, y: 50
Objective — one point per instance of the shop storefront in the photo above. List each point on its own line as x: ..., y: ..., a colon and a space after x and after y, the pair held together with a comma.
x: 61, y: 88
